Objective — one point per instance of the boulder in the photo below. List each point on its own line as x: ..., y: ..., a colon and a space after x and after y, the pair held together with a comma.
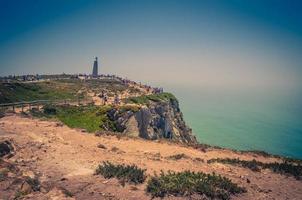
x: 6, y: 148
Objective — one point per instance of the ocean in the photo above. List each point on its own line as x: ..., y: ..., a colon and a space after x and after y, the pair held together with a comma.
x: 245, y: 120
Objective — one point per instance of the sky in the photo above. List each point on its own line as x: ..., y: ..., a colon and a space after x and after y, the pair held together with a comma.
x: 193, y: 43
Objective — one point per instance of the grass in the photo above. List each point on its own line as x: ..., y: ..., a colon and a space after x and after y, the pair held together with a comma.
x: 125, y: 173
x: 145, y: 99
x: 89, y: 117
x: 126, y: 108
x: 285, y: 168
x: 16, y: 92
x: 55, y: 89
x: 188, y: 183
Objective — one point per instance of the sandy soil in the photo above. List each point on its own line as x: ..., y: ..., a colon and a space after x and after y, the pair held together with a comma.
x: 65, y: 158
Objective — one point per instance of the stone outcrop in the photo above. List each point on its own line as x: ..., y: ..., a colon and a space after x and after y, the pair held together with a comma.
x: 156, y: 120
x: 6, y: 148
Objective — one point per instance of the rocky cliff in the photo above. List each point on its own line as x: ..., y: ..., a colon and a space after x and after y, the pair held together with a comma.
x: 154, y: 118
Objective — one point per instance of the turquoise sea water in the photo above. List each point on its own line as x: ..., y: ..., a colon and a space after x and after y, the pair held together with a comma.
x: 245, y: 120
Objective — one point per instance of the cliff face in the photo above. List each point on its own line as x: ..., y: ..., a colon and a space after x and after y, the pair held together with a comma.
x: 155, y: 120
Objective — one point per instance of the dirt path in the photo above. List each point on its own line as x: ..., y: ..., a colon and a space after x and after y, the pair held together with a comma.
x: 66, y: 158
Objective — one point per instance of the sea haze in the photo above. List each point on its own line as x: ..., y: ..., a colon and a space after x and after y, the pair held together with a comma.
x: 245, y: 120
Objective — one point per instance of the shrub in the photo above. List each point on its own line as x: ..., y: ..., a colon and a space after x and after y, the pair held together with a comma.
x: 145, y: 99
x: 187, y: 183
x: 281, y: 168
x: 285, y: 168
x: 126, y: 108
x: 177, y: 156
x: 34, y: 183
x: 50, y: 110
x: 252, y: 165
x: 126, y: 173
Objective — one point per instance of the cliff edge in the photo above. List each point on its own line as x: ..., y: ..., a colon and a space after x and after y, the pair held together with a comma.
x: 153, y: 117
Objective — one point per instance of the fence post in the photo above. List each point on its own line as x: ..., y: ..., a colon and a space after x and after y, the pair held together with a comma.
x: 22, y: 107
x: 14, y: 108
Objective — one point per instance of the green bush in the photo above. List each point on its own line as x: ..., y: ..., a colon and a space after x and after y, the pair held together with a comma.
x: 145, y: 99
x: 188, y: 183
x: 252, y: 165
x: 177, y: 156
x: 286, y: 168
x: 50, y: 109
x: 125, y: 173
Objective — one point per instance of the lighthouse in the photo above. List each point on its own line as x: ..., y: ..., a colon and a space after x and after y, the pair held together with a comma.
x: 95, y: 68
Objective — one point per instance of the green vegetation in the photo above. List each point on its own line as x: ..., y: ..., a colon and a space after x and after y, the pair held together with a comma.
x: 125, y: 108
x: 292, y: 160
x: 91, y: 118
x: 34, y: 183
x: 177, y: 156
x: 145, y: 99
x: 281, y: 168
x: 3, y: 174
x: 66, y: 192
x: 188, y: 183
x: 56, y: 89
x: 19, y: 194
x: 15, y: 92
x: 252, y: 165
x: 125, y: 173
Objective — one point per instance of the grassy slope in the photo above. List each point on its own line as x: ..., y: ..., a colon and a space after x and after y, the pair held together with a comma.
x: 91, y: 118
x: 55, y: 89
x: 14, y: 92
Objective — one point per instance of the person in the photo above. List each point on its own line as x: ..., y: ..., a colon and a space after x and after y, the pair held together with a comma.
x: 116, y: 100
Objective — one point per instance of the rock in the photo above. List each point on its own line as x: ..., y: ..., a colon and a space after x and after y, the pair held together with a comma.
x: 2, y: 114
x: 6, y: 149
x: 156, y: 120
x: 163, y: 120
x: 132, y: 127
x: 29, y: 174
x: 101, y: 146
x: 59, y: 124
x: 26, y: 188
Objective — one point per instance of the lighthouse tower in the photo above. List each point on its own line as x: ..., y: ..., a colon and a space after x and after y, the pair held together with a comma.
x: 95, y: 68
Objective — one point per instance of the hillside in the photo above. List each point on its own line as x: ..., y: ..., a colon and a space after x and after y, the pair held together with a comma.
x: 126, y: 141
x: 64, y: 161
x: 58, y: 89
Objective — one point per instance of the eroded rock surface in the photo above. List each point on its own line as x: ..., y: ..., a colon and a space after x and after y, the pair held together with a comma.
x: 156, y: 120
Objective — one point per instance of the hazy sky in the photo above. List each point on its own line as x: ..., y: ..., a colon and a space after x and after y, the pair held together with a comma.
x: 231, y: 43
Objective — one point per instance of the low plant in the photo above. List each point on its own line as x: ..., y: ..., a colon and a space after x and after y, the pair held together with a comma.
x: 125, y: 173
x: 252, y: 165
x: 145, y: 99
x: 66, y: 192
x: 177, y: 156
x: 286, y: 168
x: 188, y: 183
x: 34, y: 183
x: 50, y: 109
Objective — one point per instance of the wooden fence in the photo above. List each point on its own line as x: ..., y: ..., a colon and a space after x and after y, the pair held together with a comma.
x: 38, y: 103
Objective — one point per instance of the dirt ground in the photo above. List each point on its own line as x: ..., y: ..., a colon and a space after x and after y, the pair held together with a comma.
x: 65, y: 159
